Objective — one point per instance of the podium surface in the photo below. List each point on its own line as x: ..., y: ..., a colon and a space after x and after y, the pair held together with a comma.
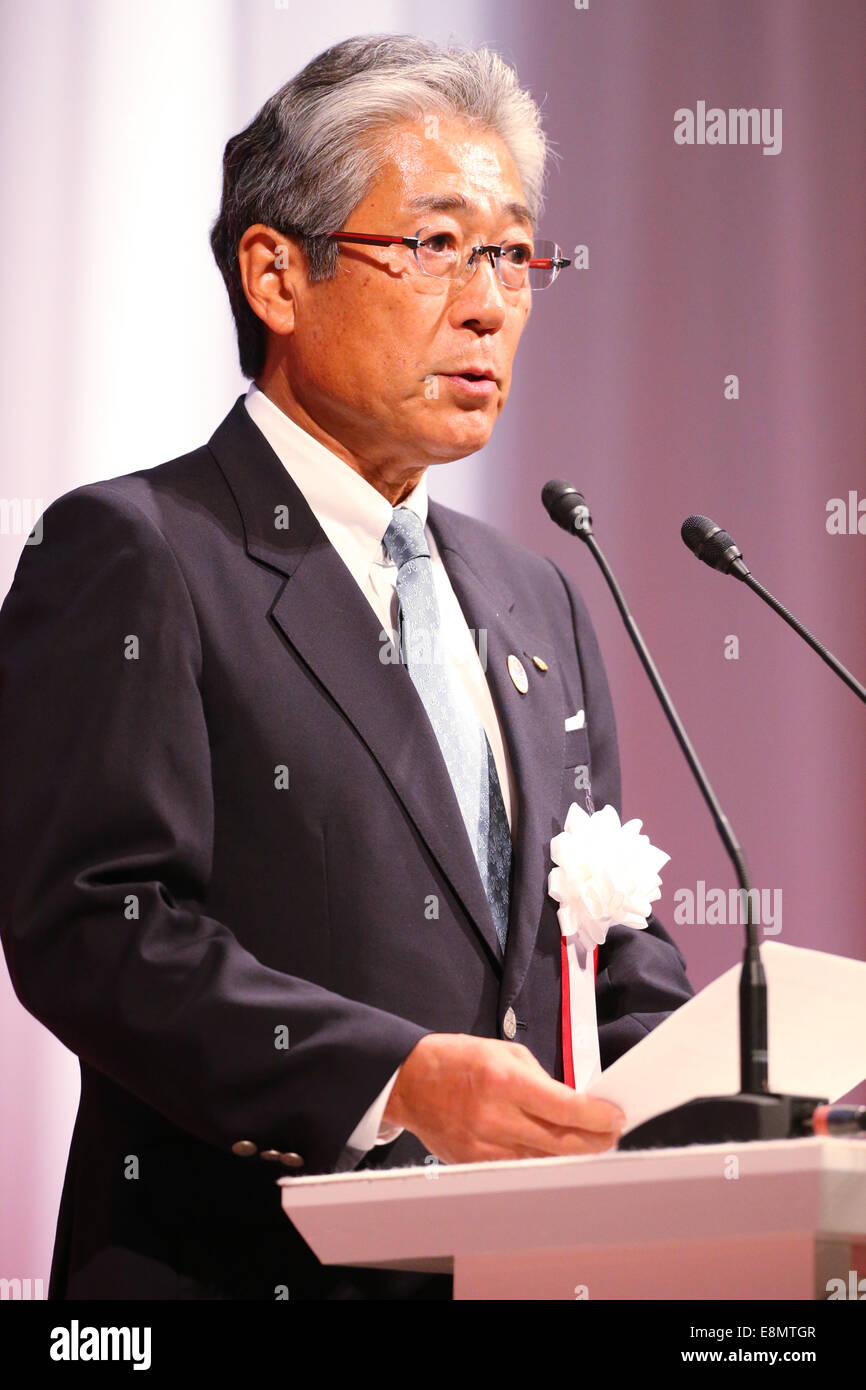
x: 774, y: 1220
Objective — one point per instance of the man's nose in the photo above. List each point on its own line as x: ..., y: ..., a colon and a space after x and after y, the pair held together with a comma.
x: 482, y: 294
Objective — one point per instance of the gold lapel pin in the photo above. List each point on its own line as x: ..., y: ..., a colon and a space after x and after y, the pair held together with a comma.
x: 540, y: 663
x: 517, y: 672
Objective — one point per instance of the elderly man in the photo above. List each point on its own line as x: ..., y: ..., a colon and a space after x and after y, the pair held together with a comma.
x: 284, y: 741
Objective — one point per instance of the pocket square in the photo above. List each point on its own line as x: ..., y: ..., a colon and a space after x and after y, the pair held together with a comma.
x: 575, y: 721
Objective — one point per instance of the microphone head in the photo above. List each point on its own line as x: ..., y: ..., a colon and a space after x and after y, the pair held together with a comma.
x: 714, y: 546
x: 567, y: 507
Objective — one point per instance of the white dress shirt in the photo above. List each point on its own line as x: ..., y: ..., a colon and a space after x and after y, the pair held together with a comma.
x: 355, y: 517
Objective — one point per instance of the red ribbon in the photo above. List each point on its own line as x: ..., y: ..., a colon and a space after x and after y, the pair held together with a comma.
x: 567, y: 1057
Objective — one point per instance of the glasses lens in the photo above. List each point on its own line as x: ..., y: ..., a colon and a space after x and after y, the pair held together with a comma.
x: 439, y: 252
x: 542, y: 268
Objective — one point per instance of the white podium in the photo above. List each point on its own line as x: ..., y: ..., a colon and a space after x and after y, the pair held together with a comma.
x: 773, y: 1220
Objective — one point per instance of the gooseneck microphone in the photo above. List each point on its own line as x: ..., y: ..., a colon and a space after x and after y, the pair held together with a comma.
x: 715, y: 547
x: 755, y: 1113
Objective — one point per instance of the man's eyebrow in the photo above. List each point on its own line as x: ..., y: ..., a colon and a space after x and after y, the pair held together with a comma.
x: 456, y: 202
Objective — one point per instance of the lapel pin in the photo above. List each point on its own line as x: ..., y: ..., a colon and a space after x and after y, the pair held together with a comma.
x: 517, y: 672
x: 540, y: 663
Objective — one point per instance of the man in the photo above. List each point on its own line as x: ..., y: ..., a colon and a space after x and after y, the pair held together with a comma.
x: 284, y: 894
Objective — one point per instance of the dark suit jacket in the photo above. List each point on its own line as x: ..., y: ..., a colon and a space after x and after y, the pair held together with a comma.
x: 169, y: 906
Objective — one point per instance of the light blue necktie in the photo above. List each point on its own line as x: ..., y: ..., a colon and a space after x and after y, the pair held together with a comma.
x: 461, y: 735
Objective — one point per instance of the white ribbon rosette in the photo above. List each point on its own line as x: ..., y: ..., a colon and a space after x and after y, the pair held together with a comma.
x: 606, y: 875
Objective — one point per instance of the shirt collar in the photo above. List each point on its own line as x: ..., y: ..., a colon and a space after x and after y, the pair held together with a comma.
x: 350, y: 510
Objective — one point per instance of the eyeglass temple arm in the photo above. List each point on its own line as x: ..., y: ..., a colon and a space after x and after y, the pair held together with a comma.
x: 374, y: 240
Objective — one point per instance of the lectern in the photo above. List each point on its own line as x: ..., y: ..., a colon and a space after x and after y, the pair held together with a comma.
x: 776, y: 1220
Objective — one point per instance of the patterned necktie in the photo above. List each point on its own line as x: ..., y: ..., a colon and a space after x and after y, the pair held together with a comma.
x: 461, y: 735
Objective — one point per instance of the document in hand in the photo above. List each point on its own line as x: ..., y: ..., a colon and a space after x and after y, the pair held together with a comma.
x: 816, y: 1005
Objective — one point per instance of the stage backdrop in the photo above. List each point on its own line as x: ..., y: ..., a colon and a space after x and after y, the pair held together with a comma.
x: 709, y: 356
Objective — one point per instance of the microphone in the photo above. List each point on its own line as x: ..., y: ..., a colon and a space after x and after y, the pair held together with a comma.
x: 756, y: 1112
x: 715, y: 547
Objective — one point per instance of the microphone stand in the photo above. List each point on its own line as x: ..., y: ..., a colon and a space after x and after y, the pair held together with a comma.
x: 708, y: 542
x: 827, y: 656
x: 755, y: 1112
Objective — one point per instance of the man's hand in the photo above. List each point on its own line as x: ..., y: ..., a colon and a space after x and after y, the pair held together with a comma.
x: 473, y: 1099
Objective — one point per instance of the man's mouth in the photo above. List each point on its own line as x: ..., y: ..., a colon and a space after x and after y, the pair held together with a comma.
x: 473, y: 373
x: 471, y: 383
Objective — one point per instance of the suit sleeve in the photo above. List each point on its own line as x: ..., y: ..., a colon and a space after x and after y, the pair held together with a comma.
x: 641, y: 975
x: 106, y: 843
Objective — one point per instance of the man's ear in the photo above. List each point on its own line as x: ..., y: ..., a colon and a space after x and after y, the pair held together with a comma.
x: 271, y: 266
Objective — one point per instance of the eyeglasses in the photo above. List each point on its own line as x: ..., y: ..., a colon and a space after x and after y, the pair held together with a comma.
x: 441, y: 254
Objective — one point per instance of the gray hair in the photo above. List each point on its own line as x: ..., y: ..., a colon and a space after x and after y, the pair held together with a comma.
x: 310, y: 157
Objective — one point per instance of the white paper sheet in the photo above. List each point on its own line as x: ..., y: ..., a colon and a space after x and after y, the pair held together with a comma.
x: 816, y: 1006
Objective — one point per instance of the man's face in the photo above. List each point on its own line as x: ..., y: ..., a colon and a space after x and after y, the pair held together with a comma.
x: 371, y: 350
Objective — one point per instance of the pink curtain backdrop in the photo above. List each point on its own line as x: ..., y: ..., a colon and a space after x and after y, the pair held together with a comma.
x: 704, y: 261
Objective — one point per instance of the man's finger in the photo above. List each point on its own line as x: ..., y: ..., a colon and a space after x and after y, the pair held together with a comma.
x: 551, y: 1101
x: 533, y: 1139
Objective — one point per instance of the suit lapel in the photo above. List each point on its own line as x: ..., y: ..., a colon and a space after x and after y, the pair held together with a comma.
x: 325, y: 617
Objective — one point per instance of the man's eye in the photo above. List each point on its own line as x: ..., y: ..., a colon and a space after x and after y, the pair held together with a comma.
x: 441, y: 242
x: 518, y: 253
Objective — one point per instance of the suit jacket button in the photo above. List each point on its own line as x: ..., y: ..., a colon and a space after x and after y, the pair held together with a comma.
x: 245, y: 1148
x: 291, y: 1160
x: 271, y: 1155
x: 509, y: 1024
